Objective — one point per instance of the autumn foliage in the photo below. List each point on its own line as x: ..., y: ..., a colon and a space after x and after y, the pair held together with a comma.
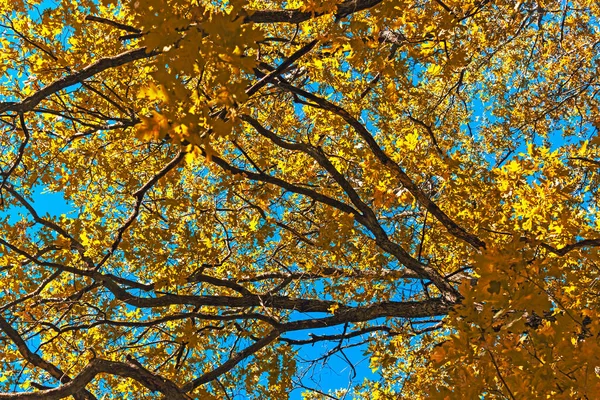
x: 254, y: 189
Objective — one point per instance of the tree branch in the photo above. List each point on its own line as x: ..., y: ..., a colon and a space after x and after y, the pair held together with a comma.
x: 297, y: 16
x: 421, y: 196
x: 101, y: 65
x: 39, y: 362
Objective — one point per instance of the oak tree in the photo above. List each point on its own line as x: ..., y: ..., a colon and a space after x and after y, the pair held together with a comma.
x: 254, y: 187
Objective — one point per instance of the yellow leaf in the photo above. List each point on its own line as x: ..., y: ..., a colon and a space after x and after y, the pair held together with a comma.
x: 153, y: 92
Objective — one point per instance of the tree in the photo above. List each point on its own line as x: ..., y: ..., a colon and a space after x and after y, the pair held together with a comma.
x: 247, y: 179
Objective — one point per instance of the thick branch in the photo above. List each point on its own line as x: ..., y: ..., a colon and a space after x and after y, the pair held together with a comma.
x: 39, y: 362
x: 98, y: 366
x: 112, y: 23
x: 285, y: 185
x: 577, y: 245
x: 101, y: 65
x: 404, y: 309
x: 281, y: 68
x: 296, y: 16
x: 330, y: 272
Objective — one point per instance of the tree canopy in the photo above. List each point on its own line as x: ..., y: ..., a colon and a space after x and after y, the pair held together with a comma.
x: 254, y: 187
